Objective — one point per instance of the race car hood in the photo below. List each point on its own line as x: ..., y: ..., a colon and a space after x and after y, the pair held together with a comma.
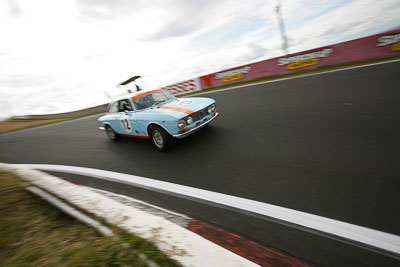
x: 185, y: 106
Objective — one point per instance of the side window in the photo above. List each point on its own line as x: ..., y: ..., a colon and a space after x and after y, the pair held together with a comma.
x: 124, y: 105
x: 144, y: 102
x: 113, y: 108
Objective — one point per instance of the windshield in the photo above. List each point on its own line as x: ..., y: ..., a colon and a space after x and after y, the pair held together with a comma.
x: 152, y: 98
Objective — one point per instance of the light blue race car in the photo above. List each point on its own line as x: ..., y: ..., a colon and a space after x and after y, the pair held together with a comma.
x: 157, y: 115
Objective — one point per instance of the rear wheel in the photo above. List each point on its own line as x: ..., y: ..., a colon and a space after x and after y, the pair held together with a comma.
x: 112, y: 134
x: 160, y: 138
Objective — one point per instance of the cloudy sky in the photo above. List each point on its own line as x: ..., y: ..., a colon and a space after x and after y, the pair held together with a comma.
x: 58, y: 56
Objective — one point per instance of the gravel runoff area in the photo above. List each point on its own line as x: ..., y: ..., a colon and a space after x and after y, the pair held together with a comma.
x: 12, y: 125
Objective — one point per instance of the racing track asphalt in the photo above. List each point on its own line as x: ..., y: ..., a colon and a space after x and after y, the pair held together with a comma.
x: 326, y: 144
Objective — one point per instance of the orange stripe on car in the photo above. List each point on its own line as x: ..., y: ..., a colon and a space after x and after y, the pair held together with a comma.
x: 178, y: 109
x: 146, y: 93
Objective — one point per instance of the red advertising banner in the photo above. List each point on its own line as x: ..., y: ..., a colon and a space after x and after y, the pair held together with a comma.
x: 363, y: 49
x: 184, y: 87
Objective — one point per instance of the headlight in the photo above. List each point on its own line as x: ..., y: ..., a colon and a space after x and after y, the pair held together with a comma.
x: 189, y: 120
x: 211, y: 108
x: 181, y: 123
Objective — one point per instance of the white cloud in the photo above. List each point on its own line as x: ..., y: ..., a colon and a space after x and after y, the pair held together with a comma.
x: 58, y: 56
x: 356, y: 19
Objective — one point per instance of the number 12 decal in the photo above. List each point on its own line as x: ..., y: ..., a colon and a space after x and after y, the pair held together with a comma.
x: 126, y: 125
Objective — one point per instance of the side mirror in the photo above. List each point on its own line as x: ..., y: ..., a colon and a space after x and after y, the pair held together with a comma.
x: 126, y: 112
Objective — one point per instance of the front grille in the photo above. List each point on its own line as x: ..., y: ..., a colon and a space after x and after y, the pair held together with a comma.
x: 200, y: 114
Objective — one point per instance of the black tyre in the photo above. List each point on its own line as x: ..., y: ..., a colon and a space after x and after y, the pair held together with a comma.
x: 112, y: 134
x: 160, y: 138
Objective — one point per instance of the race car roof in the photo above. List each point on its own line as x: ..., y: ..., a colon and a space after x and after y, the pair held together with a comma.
x: 135, y: 94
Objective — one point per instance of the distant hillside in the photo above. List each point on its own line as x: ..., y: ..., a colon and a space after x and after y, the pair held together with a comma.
x: 78, y: 113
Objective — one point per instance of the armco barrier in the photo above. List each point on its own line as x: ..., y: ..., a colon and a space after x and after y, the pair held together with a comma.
x: 364, y: 49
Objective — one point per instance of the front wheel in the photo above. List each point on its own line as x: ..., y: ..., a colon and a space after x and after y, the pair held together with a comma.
x: 112, y: 134
x: 160, y: 138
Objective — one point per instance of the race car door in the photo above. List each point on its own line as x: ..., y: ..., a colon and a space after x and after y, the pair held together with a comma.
x: 124, y: 122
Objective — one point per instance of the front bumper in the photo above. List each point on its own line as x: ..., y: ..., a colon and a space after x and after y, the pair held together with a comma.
x: 196, y: 128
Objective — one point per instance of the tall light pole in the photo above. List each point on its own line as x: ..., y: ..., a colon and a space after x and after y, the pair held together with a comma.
x: 285, y: 45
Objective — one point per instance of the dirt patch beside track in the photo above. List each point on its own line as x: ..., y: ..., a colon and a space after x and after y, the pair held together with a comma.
x: 8, y: 126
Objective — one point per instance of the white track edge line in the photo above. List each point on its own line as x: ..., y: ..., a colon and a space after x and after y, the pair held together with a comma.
x: 371, y: 237
x: 144, y: 203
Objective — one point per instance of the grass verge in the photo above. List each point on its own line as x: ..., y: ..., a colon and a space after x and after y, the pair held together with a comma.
x: 34, y: 233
